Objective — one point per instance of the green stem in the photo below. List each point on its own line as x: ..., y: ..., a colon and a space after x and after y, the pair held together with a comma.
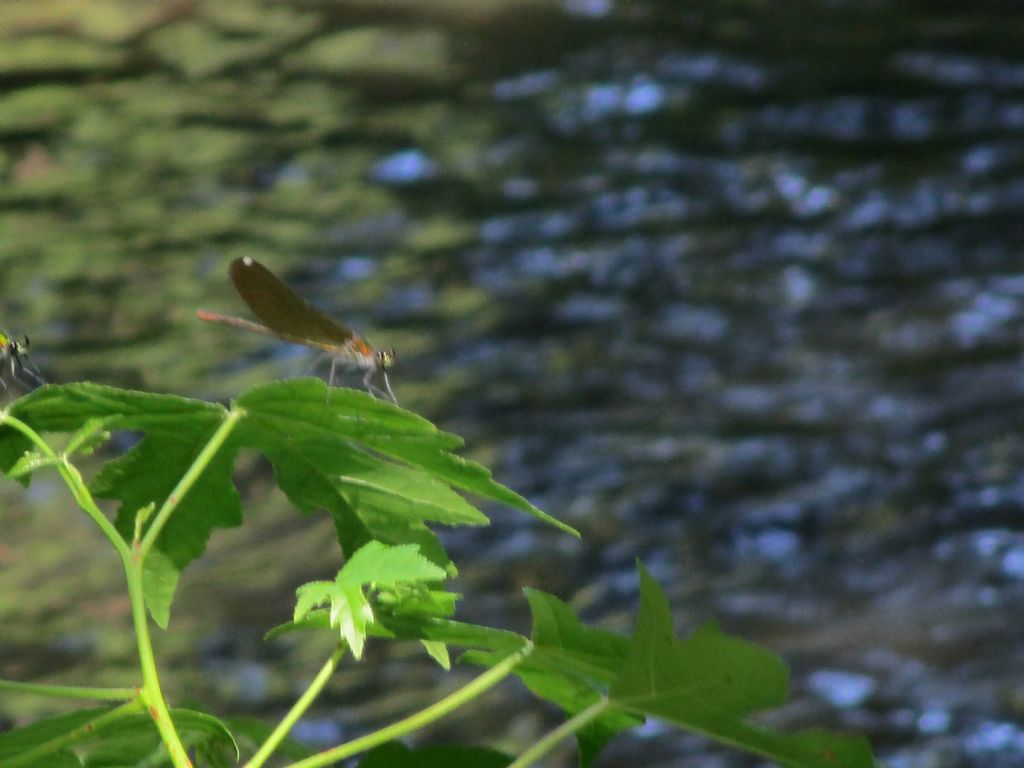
x: 32, y: 756
x: 70, y: 691
x: 74, y: 482
x: 187, y: 481
x: 564, y: 731
x: 289, y: 720
x: 152, y: 694
x: 420, y: 719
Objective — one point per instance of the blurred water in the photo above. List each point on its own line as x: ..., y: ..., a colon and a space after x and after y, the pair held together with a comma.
x: 737, y: 290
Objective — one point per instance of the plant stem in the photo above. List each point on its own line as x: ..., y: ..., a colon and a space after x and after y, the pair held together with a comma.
x: 566, y: 729
x: 70, y: 691
x: 152, y: 694
x: 300, y: 706
x: 187, y: 481
x: 74, y: 481
x: 420, y: 719
x: 32, y: 756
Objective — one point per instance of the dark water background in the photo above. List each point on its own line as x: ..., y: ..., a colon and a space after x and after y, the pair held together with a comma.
x: 733, y: 287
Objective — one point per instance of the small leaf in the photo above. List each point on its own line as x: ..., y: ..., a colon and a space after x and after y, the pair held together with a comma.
x: 416, y: 599
x: 438, y: 652
x: 396, y: 755
x: 159, y: 581
x: 351, y: 613
x: 374, y: 565
x: 88, y: 438
x: 379, y: 564
x: 30, y: 462
x: 310, y: 596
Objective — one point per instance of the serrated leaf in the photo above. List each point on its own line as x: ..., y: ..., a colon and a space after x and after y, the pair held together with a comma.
x: 351, y: 613
x: 310, y: 596
x: 459, y: 472
x: 711, y: 682
x: 374, y: 565
x: 327, y: 453
x: 358, y: 421
x: 573, y: 666
x: 174, y: 429
x: 386, y: 566
x: 309, y: 442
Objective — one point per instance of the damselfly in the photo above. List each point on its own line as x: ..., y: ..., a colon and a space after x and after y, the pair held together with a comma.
x: 289, y: 317
x: 17, y: 352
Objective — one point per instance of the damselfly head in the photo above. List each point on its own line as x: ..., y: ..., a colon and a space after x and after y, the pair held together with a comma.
x: 10, y: 345
x: 385, y: 358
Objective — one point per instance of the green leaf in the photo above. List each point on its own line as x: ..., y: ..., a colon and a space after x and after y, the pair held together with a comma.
x: 159, y: 581
x: 87, y: 439
x: 434, y: 458
x: 374, y: 565
x: 711, y: 682
x: 418, y: 628
x: 438, y: 652
x: 321, y: 460
x: 381, y: 473
x: 13, y: 743
x: 312, y: 443
x: 350, y: 613
x: 135, y: 737
x: 592, y: 655
x: 386, y: 566
x: 251, y: 733
x: 175, y: 429
x: 30, y: 462
x: 573, y: 666
x: 396, y: 755
x: 126, y: 741
x: 415, y: 599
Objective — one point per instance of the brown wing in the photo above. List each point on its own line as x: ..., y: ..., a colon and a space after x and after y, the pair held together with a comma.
x: 285, y: 313
x: 330, y: 347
